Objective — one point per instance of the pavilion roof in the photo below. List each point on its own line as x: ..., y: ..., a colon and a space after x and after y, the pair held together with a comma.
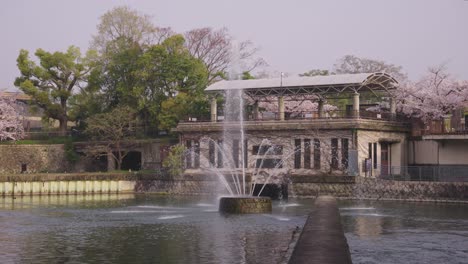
x: 320, y: 85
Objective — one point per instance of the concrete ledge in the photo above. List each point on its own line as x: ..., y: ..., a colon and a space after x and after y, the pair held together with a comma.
x: 322, y: 239
x: 290, y: 125
x: 41, y: 177
x: 322, y: 179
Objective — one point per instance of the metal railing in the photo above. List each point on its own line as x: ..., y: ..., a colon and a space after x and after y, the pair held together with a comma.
x: 434, y: 173
x: 304, y: 115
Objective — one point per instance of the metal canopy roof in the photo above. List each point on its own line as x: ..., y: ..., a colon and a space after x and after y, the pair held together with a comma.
x: 319, y: 85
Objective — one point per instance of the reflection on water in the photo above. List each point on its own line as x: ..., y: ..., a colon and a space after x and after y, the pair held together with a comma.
x: 406, y: 232
x: 141, y: 229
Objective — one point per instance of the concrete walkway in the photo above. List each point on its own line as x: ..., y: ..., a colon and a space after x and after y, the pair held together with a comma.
x: 322, y: 239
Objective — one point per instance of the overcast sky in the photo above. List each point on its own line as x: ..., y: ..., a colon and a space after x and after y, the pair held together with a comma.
x: 294, y: 36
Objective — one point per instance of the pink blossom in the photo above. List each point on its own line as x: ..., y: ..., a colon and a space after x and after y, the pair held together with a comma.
x: 11, y: 126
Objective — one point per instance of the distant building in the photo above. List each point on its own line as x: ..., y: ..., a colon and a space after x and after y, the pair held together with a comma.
x: 439, y: 148
x: 32, y: 116
x: 350, y: 141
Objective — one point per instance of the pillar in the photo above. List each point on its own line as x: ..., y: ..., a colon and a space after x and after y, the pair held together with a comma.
x: 356, y: 105
x: 255, y: 110
x: 320, y: 108
x: 392, y: 108
x: 281, y: 107
x: 214, y: 109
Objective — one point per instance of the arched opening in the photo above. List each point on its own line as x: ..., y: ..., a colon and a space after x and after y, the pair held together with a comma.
x: 132, y: 161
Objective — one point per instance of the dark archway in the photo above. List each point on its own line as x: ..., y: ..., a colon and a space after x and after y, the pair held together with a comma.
x: 132, y: 161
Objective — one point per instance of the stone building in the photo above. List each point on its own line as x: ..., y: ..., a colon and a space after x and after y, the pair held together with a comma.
x: 348, y: 141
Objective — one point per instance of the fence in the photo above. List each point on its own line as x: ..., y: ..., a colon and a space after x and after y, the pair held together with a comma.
x: 435, y: 173
x: 304, y: 115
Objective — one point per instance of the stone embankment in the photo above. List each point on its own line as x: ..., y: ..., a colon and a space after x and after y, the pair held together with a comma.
x: 372, y: 188
x: 92, y: 183
x: 33, y: 158
x: 302, y: 186
x: 322, y: 239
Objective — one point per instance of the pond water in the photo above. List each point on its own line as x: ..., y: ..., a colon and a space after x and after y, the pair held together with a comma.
x: 405, y: 232
x: 141, y: 229
x: 167, y: 229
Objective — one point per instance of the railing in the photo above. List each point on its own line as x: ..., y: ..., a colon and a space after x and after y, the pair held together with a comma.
x: 439, y: 127
x: 304, y: 115
x: 435, y: 173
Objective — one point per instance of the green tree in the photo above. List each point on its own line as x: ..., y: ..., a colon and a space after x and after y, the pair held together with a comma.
x: 144, y: 79
x: 247, y: 76
x: 52, y: 83
x: 174, y: 163
x: 181, y: 106
x: 114, y: 130
x: 166, y: 71
x: 315, y: 72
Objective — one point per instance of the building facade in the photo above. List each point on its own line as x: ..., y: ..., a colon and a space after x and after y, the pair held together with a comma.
x: 274, y: 144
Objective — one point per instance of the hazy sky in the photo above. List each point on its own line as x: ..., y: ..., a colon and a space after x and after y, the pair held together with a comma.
x: 294, y: 36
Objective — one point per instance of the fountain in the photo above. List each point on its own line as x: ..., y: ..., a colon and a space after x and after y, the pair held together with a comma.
x: 226, y: 157
x: 243, y: 200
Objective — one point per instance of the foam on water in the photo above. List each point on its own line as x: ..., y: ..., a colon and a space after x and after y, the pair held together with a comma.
x: 170, y: 217
x: 205, y: 205
x: 289, y: 205
x: 210, y: 210
x: 162, y: 207
x: 139, y: 211
x: 277, y: 217
x: 357, y: 208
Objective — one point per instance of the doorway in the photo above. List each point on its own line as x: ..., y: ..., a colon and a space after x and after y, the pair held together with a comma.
x: 384, y: 158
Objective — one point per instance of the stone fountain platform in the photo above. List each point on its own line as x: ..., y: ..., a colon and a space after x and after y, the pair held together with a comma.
x: 245, y: 205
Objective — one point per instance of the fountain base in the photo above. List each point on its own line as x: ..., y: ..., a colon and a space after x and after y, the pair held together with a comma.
x: 245, y: 205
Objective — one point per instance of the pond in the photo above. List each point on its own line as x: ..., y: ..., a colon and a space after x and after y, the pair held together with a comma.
x: 178, y: 229
x: 141, y: 229
x: 406, y: 232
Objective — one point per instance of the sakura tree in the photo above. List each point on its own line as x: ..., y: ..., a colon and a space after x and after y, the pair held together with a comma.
x: 433, y: 96
x: 270, y: 104
x: 11, y: 125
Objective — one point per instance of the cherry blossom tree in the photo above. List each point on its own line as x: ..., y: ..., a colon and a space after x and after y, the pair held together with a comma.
x: 11, y: 125
x: 433, y: 96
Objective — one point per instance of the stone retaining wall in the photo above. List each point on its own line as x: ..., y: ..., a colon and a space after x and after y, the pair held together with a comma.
x: 371, y: 188
x: 364, y: 188
x: 37, y: 158
x: 90, y: 183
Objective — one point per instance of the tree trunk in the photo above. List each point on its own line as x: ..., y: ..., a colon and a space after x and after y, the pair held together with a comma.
x: 63, y: 126
x: 120, y: 157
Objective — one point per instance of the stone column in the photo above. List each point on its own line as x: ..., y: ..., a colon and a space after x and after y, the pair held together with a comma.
x: 255, y: 111
x: 320, y: 108
x: 214, y: 106
x: 356, y: 105
x: 281, y: 107
x: 392, y: 108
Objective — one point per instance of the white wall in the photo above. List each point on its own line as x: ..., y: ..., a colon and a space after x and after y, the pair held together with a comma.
x: 423, y: 152
x: 442, y: 152
x: 453, y: 152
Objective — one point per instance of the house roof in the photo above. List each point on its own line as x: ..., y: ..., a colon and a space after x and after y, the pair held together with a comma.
x: 331, y: 84
x: 15, y: 95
